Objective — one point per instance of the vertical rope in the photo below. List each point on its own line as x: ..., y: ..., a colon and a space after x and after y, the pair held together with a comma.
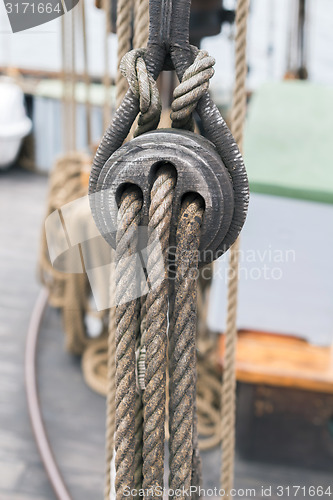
x: 106, y: 4
x: 184, y: 458
x: 124, y: 32
x: 86, y: 78
x: 228, y: 398
x: 111, y: 351
x: 138, y: 458
x: 111, y: 389
x: 73, y: 81
x: 141, y: 24
x: 155, y: 331
x: 126, y: 335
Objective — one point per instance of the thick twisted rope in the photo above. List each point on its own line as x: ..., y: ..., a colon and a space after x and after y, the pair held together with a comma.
x: 194, y: 84
x: 138, y: 460
x: 144, y: 87
x: 228, y: 399
x: 155, y: 331
x: 182, y: 348
x: 141, y: 367
x: 124, y: 33
x: 111, y: 392
x: 126, y: 334
x: 140, y: 40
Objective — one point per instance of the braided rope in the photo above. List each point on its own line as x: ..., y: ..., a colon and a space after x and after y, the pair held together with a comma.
x: 144, y: 87
x: 155, y: 331
x: 228, y: 398
x: 124, y: 33
x: 183, y: 459
x: 126, y: 334
x: 194, y: 84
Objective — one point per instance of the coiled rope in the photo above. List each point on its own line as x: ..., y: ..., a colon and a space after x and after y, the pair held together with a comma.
x: 228, y: 397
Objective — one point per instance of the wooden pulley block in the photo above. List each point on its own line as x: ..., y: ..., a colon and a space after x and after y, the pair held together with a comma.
x: 198, y: 169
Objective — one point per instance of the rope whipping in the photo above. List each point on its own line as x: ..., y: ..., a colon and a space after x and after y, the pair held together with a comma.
x: 228, y: 396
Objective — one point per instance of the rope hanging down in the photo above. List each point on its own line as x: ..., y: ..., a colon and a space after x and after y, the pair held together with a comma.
x: 184, y: 462
x: 184, y: 456
x: 228, y: 397
x: 155, y: 331
x: 140, y: 457
x: 141, y: 21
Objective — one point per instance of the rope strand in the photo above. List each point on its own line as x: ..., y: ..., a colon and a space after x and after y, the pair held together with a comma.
x: 228, y: 398
x: 155, y: 332
x: 184, y: 456
x: 126, y: 334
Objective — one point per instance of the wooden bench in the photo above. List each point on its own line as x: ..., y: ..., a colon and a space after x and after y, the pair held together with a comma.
x: 282, y: 361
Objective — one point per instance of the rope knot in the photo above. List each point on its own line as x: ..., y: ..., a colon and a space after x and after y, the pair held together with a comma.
x: 194, y: 84
x: 142, y: 84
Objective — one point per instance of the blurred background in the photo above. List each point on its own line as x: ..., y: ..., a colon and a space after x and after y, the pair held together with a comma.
x: 57, y: 95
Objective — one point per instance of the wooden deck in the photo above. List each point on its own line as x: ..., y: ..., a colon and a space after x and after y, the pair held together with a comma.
x: 283, y: 453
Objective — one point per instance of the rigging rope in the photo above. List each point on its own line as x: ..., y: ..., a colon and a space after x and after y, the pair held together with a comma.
x: 126, y: 334
x: 194, y: 84
x: 155, y: 328
x: 184, y: 457
x: 141, y: 23
x: 228, y: 397
x: 124, y: 32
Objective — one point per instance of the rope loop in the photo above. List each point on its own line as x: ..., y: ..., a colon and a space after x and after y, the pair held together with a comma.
x: 194, y: 84
x: 144, y: 87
